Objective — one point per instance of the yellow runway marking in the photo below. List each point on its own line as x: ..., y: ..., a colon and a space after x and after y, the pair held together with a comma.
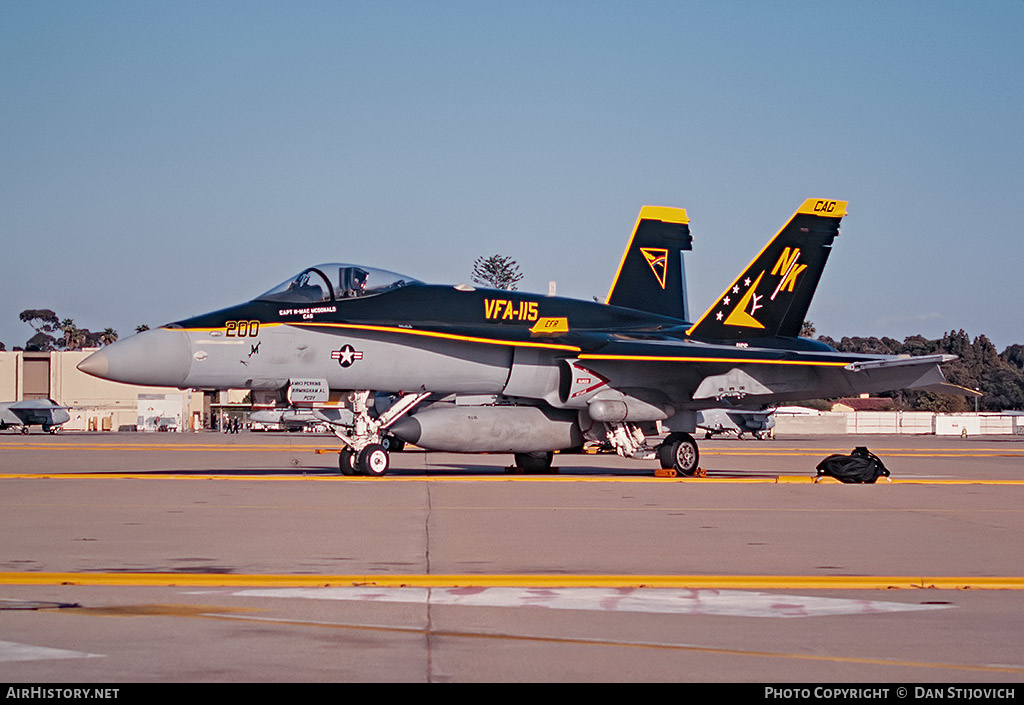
x: 887, y: 453
x: 189, y: 447
x: 743, y: 582
x: 762, y: 451
x: 469, y: 476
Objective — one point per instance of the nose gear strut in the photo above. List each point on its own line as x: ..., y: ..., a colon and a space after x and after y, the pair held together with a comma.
x: 364, y: 452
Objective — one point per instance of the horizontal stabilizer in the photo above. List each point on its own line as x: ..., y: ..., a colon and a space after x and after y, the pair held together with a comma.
x: 902, y: 361
x: 900, y: 373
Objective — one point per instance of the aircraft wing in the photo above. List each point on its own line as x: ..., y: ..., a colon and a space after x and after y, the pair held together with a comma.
x: 691, y: 375
x: 8, y: 417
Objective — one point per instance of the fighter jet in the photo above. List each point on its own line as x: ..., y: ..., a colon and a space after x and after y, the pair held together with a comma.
x: 33, y: 412
x: 484, y: 370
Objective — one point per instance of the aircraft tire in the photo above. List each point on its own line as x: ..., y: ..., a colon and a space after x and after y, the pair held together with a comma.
x: 373, y: 460
x: 346, y: 462
x: 679, y: 451
x: 534, y: 462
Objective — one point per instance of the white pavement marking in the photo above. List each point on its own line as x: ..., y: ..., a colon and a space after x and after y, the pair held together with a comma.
x: 723, y: 603
x: 13, y: 651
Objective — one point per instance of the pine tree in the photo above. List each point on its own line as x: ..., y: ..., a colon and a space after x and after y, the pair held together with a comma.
x: 496, y: 271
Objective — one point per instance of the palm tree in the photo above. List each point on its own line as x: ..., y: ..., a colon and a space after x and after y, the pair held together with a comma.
x: 73, y: 335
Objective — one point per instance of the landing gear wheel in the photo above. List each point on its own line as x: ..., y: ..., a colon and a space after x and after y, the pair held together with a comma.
x: 679, y: 451
x: 347, y: 462
x: 534, y: 462
x: 373, y: 460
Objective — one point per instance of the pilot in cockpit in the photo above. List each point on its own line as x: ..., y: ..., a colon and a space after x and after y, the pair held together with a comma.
x: 352, y: 281
x: 302, y: 287
x: 299, y: 282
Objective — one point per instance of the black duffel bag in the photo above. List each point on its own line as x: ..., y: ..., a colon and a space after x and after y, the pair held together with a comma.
x: 860, y: 466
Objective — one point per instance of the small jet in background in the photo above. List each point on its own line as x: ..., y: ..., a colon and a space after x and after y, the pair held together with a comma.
x: 33, y: 412
x: 722, y: 421
x: 284, y: 419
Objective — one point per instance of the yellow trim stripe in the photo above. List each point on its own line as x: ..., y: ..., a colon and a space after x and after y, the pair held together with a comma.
x: 824, y: 207
x: 434, y: 334
x: 221, y: 329
x: 406, y: 331
x: 665, y: 214
x: 748, y: 582
x: 736, y: 360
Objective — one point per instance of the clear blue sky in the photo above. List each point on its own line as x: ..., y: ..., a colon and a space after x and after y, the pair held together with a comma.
x: 161, y: 159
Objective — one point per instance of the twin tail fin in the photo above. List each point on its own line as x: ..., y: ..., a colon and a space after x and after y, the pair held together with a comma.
x: 651, y: 276
x: 771, y: 296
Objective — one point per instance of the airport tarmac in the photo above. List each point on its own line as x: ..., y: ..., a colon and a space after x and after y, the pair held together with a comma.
x: 209, y: 558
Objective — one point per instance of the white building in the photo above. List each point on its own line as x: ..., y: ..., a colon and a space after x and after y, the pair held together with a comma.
x: 95, y: 404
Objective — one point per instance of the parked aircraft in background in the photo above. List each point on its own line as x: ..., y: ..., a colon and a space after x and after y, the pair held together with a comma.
x: 288, y: 419
x: 33, y: 412
x: 485, y: 370
x: 713, y: 422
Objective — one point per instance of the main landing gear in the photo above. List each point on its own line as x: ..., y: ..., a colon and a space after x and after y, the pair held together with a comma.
x: 677, y: 452
x: 366, y: 450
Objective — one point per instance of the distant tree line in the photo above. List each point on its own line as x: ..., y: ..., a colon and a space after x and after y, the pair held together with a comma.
x: 54, y: 333
x: 998, y: 376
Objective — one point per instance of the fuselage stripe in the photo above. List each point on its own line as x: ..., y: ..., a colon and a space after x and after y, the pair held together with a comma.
x: 435, y: 334
x: 736, y: 360
x: 406, y: 331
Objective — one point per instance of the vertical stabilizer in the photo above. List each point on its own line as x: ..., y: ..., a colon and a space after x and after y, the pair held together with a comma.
x: 651, y: 276
x: 771, y: 297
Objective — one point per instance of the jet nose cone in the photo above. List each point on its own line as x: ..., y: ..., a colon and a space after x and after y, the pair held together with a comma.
x: 95, y: 364
x: 158, y: 358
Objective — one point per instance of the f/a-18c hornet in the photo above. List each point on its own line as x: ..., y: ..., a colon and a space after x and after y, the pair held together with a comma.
x: 466, y: 369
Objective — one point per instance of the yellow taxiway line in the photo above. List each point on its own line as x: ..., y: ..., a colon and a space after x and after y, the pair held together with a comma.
x: 493, y: 477
x: 763, y: 450
x: 746, y: 582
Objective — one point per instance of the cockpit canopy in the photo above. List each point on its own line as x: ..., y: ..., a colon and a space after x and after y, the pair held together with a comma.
x: 333, y: 282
